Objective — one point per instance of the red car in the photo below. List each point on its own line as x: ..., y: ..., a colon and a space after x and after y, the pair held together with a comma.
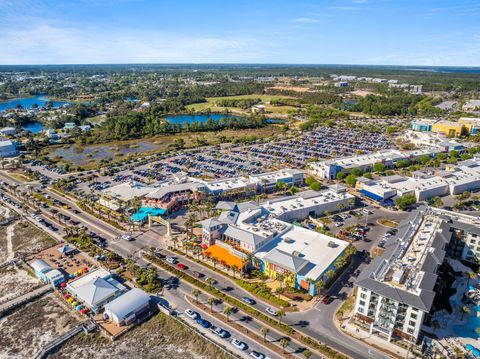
x: 181, y: 266
x: 327, y: 299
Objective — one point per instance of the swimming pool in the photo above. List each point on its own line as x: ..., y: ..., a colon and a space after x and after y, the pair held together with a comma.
x: 468, y: 330
x: 143, y: 212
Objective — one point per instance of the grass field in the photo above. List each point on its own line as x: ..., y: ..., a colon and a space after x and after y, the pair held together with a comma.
x: 210, y: 104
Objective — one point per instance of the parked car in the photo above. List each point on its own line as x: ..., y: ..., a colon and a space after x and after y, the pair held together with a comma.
x: 192, y: 314
x: 239, y: 344
x: 257, y: 355
x: 181, y: 266
x: 127, y: 237
x: 204, y: 323
x: 222, y: 333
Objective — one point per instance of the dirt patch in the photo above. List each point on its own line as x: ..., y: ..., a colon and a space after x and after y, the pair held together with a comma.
x: 3, y: 244
x: 29, y: 239
x: 29, y: 328
x: 15, y: 281
x: 160, y: 337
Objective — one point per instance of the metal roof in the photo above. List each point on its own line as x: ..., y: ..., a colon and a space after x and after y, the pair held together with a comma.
x: 127, y: 303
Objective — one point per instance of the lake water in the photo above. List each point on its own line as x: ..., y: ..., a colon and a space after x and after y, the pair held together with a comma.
x: 81, y: 156
x: 177, y: 119
x: 28, y: 102
x: 33, y: 127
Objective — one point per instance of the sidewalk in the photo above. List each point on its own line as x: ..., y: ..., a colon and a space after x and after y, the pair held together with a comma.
x: 373, y: 340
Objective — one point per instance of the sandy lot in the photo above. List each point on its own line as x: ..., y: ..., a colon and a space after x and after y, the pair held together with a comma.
x: 29, y: 239
x: 160, y: 337
x: 14, y: 281
x: 26, y: 330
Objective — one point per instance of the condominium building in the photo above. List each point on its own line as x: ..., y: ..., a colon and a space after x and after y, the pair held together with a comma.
x: 396, y: 291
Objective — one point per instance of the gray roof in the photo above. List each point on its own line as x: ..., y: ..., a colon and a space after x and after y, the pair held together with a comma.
x: 244, y: 236
x: 180, y: 187
x: 95, y: 291
x: 225, y: 205
x: 128, y: 303
x: 40, y: 266
x: 434, y: 258
x: 286, y: 260
x: 210, y: 222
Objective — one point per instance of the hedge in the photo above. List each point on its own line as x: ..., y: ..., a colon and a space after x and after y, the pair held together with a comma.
x: 212, y: 290
x: 262, y: 292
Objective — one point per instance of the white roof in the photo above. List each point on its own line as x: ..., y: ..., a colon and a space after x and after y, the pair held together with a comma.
x: 96, y: 291
x: 54, y: 274
x: 94, y: 274
x: 40, y: 266
x: 127, y: 190
x: 127, y: 303
x: 318, y: 249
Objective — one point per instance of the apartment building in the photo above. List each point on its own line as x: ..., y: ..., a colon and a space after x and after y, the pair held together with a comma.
x: 396, y: 291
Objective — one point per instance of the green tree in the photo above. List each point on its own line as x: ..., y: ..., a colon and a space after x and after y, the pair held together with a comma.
x: 280, y: 314
x: 340, y: 175
x: 405, y: 201
x: 315, y: 186
x: 307, y: 354
x: 284, y: 344
x: 264, y: 331
x: 351, y: 180
x: 227, y: 311
x: 378, y: 167
x: 211, y: 302
x: 196, y: 293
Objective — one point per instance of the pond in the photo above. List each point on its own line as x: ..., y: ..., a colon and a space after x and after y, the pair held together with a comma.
x: 33, y: 127
x: 81, y: 156
x: 28, y: 102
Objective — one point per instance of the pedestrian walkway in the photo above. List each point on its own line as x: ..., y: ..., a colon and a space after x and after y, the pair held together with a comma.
x: 25, y: 298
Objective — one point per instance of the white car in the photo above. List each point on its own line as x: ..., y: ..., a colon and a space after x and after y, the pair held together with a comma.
x: 257, y: 355
x: 272, y: 311
x: 239, y: 344
x: 127, y: 237
x: 222, y: 333
x: 191, y: 314
x: 171, y: 260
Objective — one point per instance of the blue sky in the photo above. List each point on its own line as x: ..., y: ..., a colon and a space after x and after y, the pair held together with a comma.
x: 389, y: 32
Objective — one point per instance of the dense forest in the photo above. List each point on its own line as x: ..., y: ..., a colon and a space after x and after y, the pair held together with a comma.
x: 397, y: 105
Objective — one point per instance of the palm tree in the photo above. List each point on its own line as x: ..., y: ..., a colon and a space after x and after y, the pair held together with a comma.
x: 284, y: 344
x: 280, y: 315
x: 209, y: 282
x: 196, y: 293
x: 319, y: 286
x: 264, y: 331
x: 175, y: 242
x: 211, y: 301
x: 227, y: 311
x: 307, y: 353
x: 215, y: 261
x: 233, y: 268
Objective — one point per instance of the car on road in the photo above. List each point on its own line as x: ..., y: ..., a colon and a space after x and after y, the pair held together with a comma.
x: 171, y: 260
x: 211, y: 280
x: 248, y: 300
x: 327, y: 299
x: 192, y: 314
x: 257, y: 355
x: 272, y: 311
x: 204, y: 323
x: 127, y: 237
x: 197, y: 274
x: 76, y: 211
x: 239, y: 344
x: 222, y: 333
x: 181, y: 266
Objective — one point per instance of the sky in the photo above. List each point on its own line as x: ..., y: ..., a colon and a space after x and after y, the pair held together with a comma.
x: 377, y: 32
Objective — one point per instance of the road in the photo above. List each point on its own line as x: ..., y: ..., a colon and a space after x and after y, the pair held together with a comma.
x: 317, y: 322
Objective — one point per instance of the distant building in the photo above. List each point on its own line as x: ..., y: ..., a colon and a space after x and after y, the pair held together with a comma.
x: 8, y: 131
x: 69, y: 126
x: 258, y: 109
x: 472, y: 105
x: 341, y: 84
x: 7, y: 148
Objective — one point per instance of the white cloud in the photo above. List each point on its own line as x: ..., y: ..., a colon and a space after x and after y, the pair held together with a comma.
x: 43, y: 44
x: 308, y: 20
